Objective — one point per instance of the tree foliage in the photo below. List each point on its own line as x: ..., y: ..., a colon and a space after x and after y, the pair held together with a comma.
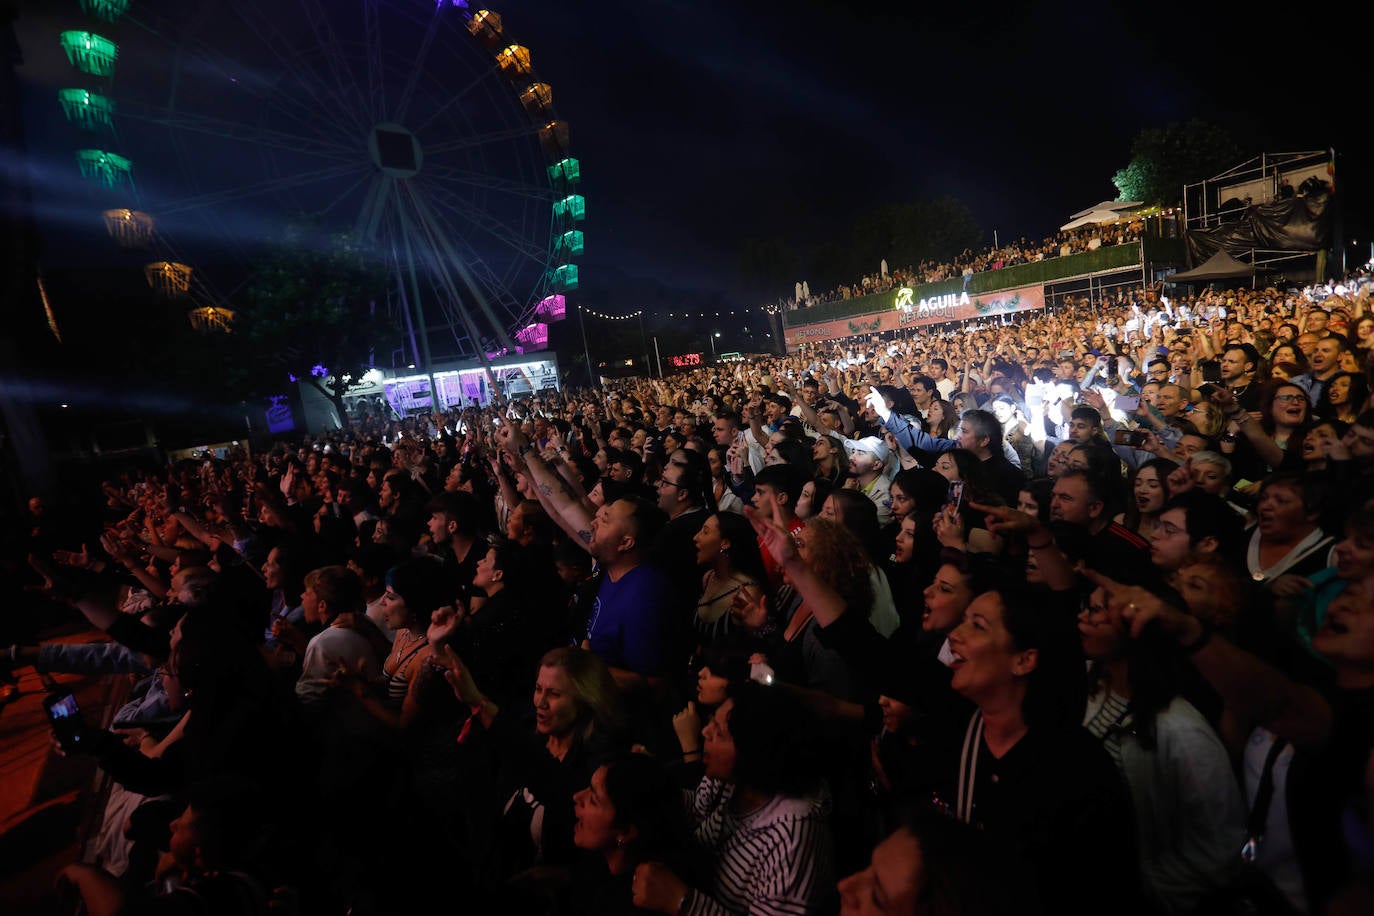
x: 316, y: 309
x: 1164, y: 159
x: 902, y: 234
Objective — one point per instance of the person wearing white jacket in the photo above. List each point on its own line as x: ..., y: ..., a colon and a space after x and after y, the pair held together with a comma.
x: 1190, y: 815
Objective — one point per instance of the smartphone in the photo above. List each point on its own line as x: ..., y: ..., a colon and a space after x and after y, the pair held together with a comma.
x: 1134, y: 438
x: 1128, y: 401
x: 1211, y: 372
x: 64, y: 715
x: 956, y: 494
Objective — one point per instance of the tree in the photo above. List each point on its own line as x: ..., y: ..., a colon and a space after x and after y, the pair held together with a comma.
x: 317, y: 310
x: 1164, y: 159
x: 903, y: 234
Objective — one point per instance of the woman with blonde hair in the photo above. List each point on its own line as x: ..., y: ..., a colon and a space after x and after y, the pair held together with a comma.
x: 579, y: 721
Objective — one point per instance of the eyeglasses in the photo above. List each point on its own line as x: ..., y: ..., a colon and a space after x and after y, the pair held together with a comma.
x: 1289, y: 397
x: 662, y: 481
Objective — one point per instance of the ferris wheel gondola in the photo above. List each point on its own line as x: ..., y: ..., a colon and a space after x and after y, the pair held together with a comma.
x: 420, y: 128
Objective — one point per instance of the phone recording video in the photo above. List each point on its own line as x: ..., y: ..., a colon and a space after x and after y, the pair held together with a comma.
x: 956, y: 494
x: 1134, y: 438
x: 64, y: 716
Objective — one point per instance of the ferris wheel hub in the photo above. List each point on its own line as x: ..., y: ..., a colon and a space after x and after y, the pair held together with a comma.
x: 395, y: 150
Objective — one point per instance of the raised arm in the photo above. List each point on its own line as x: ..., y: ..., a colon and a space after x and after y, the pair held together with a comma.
x: 1257, y: 692
x: 553, y: 494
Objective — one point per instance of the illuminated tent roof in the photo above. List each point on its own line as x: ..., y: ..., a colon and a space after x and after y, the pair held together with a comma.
x: 1109, y: 211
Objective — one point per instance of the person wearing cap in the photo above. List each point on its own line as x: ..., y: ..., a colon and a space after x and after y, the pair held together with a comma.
x: 867, y: 462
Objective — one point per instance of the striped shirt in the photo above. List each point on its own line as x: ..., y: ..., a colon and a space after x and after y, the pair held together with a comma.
x: 775, y: 861
x: 1109, y: 720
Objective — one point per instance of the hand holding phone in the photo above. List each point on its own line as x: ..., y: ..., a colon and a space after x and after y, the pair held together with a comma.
x: 64, y: 716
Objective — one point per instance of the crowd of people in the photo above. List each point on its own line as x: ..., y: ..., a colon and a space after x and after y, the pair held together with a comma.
x: 1065, y: 615
x: 1022, y: 251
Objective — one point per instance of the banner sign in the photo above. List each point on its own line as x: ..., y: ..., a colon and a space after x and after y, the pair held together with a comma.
x: 908, y: 312
x: 684, y: 360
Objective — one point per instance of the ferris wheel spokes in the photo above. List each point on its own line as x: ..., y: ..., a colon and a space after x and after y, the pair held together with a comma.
x: 240, y: 132
x: 278, y: 183
x: 443, y: 247
x: 485, y: 222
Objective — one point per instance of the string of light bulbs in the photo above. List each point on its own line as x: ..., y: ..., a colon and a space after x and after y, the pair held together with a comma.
x: 596, y: 314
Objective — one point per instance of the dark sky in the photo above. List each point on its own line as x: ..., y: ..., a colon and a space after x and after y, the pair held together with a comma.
x: 701, y: 124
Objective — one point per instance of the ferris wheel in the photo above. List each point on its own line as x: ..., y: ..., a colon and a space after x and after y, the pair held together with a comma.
x: 417, y: 127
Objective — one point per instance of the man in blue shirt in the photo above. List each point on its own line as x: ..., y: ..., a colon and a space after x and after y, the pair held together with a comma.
x: 628, y: 627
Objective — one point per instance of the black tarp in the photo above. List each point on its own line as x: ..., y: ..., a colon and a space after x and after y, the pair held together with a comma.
x: 1220, y: 266
x: 1296, y: 224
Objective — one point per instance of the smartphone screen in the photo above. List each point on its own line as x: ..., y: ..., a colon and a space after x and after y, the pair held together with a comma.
x: 1128, y: 401
x: 61, y: 707
x: 956, y: 494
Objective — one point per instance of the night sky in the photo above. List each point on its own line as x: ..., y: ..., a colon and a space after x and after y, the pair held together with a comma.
x: 702, y: 124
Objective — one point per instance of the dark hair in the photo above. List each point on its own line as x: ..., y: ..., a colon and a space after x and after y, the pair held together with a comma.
x: 924, y: 380
x: 1162, y: 467
x: 745, y: 556
x: 1041, y: 490
x: 1208, y: 516
x: 957, y: 874
x: 422, y: 585
x: 821, y: 488
x: 783, y: 478
x: 901, y: 398
x: 231, y: 817
x: 695, y: 478
x: 647, y: 520
x: 797, y: 453
x: 1248, y: 350
x: 1091, y: 414
x: 774, y: 737
x: 727, y: 662
x: 927, y: 489
x: 645, y: 796
x: 1359, y: 393
x: 373, y: 559
x: 1056, y: 693
x: 458, y: 506
x: 1155, y: 667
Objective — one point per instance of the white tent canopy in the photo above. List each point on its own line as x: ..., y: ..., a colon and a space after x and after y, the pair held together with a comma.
x: 1108, y: 211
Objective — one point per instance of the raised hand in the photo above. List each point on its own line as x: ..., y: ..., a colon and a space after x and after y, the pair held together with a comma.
x: 1002, y: 520
x: 773, y: 533
x: 1139, y: 607
x: 687, y: 725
